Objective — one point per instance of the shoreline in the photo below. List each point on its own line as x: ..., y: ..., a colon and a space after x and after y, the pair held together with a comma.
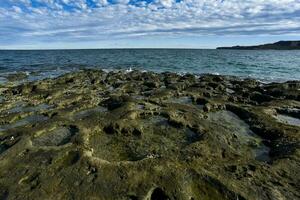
x: 21, y: 77
x: 117, y: 135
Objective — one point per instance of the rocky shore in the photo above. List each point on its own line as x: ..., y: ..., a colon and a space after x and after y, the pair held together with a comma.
x: 148, y: 136
x: 281, y: 45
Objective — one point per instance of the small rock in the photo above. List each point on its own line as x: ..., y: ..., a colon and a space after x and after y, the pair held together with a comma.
x: 207, y: 107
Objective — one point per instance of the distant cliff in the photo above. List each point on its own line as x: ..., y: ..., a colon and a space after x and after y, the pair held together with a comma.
x: 281, y: 45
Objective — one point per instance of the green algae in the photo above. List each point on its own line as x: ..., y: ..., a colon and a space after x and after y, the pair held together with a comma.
x: 141, y: 135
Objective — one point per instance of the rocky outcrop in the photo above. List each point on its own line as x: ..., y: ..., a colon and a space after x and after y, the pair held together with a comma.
x: 142, y: 135
x: 281, y: 45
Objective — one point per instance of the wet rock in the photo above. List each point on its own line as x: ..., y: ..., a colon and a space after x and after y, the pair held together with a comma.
x: 289, y: 90
x: 57, y: 137
x: 207, y: 107
x: 177, y: 86
x: 182, y: 100
x: 145, y: 135
x: 260, y: 98
x: 293, y: 112
x: 170, y: 78
x: 17, y: 76
x: 2, y: 99
x: 86, y: 113
x: 116, y: 101
x: 288, y: 119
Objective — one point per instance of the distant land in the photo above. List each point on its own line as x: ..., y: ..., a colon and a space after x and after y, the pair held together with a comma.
x: 281, y: 45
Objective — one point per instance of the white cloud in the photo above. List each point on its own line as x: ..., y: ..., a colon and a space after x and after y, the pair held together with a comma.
x: 100, y: 2
x: 122, y: 19
x: 165, y: 3
x: 26, y: 2
x: 17, y: 9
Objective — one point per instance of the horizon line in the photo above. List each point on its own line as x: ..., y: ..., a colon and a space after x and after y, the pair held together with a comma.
x: 112, y: 48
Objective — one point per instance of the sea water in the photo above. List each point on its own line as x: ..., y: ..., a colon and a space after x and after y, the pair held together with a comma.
x: 264, y: 65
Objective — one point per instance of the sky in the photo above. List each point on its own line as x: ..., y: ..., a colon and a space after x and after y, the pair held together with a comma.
x: 68, y: 24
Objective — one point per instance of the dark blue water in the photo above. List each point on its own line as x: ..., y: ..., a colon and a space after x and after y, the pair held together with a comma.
x: 262, y: 65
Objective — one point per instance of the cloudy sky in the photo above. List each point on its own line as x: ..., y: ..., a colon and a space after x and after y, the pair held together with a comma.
x: 34, y: 24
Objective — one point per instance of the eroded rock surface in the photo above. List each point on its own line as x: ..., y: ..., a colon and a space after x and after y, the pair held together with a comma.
x: 142, y: 135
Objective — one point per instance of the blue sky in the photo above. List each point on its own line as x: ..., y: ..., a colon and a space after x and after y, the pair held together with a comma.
x: 51, y: 24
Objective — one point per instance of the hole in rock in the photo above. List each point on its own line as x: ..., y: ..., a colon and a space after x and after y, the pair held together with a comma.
x: 159, y: 194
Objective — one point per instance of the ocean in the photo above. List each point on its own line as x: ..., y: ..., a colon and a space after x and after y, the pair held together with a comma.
x: 264, y: 65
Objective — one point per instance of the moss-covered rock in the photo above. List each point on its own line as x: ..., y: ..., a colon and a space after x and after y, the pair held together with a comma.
x: 143, y: 135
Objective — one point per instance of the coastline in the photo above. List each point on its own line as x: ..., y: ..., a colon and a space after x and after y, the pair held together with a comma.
x: 132, y: 135
x: 14, y: 78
